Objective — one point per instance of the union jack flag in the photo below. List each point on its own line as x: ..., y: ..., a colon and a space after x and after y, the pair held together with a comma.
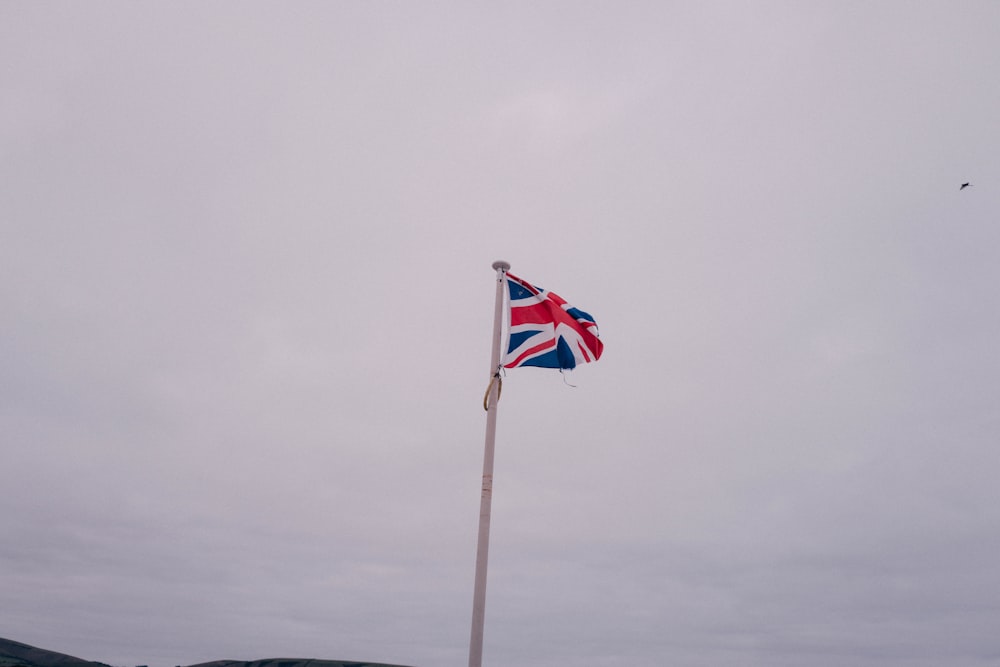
x: 546, y: 331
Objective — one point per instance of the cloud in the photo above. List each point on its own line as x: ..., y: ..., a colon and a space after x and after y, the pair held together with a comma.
x: 247, y: 304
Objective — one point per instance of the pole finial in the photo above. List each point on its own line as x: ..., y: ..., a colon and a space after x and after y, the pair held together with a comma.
x: 501, y: 265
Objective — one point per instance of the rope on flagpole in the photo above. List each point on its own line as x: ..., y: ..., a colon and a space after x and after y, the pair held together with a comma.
x: 486, y: 398
x: 562, y: 371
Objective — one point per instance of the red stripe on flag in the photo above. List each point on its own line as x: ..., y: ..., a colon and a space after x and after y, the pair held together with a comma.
x: 531, y: 352
x: 545, y: 312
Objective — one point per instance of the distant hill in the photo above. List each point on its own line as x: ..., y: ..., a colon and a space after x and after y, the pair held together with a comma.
x: 16, y: 654
x: 291, y: 662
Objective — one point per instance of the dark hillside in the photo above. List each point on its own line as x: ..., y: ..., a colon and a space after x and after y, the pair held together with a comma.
x: 16, y: 654
x: 292, y: 662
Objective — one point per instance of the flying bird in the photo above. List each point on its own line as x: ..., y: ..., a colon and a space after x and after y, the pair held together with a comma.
x: 963, y: 186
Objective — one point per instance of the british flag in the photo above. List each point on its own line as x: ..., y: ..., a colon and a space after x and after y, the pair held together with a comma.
x: 546, y: 331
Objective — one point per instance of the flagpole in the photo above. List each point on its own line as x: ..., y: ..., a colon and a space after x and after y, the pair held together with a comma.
x: 486, y: 502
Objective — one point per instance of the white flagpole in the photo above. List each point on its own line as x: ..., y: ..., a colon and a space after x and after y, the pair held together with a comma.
x: 482, y: 550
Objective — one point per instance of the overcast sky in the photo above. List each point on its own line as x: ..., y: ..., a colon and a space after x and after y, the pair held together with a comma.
x: 246, y: 306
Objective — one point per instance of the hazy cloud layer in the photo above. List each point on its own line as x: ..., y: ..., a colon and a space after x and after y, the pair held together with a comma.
x: 246, y: 303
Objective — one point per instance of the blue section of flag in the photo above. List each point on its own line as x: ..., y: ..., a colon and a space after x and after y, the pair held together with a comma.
x: 518, y: 339
x: 518, y: 291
